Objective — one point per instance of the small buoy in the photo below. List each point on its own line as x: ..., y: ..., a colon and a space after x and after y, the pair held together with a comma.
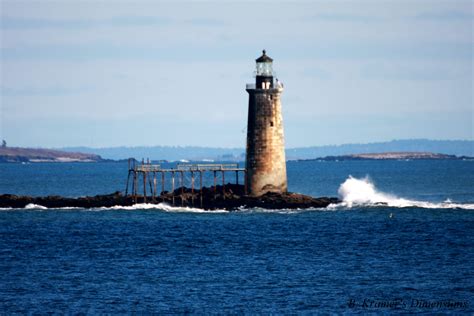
x: 391, y: 215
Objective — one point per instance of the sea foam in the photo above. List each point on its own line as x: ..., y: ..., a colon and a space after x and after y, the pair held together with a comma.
x: 141, y: 206
x: 362, y: 192
x: 32, y: 206
x: 161, y: 207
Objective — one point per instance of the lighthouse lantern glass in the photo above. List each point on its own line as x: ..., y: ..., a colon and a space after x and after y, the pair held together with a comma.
x: 264, y: 69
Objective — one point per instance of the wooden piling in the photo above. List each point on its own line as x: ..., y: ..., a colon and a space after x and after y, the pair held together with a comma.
x: 163, y: 185
x: 192, y: 188
x: 215, y: 184
x: 128, y: 180
x: 223, y: 184
x: 182, y: 188
x: 200, y: 186
x: 144, y: 187
x: 172, y: 185
x: 150, y: 183
x: 135, y: 185
x: 154, y: 186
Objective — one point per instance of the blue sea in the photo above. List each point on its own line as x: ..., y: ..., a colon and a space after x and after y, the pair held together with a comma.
x: 400, y: 242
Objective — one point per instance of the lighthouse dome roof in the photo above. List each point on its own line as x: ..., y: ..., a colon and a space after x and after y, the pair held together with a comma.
x: 264, y: 58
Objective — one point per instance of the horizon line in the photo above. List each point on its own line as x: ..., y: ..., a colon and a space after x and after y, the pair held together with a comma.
x: 296, y: 147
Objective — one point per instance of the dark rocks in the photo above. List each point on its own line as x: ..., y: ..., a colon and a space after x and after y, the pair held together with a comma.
x: 109, y: 200
x: 233, y: 198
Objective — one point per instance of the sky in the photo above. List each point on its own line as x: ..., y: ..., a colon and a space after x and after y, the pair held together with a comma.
x: 133, y: 73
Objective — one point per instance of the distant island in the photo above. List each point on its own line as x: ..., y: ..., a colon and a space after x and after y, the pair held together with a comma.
x: 199, y: 153
x: 392, y: 156
x: 31, y: 155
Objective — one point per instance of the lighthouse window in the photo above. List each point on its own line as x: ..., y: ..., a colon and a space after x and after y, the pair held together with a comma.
x: 271, y: 123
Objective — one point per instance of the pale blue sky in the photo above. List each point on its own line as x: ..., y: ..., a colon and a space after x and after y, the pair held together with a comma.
x: 114, y: 73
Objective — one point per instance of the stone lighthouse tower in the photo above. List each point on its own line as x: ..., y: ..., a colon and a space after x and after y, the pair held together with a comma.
x: 265, y: 157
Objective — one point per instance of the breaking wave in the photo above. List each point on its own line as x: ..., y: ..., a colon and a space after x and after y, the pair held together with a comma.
x: 32, y: 206
x: 161, y: 207
x: 362, y: 192
x: 143, y: 206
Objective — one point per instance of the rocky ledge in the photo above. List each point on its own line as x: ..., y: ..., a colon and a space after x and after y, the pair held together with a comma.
x: 233, y: 197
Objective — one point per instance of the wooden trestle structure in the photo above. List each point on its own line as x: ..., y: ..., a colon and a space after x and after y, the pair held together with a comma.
x: 146, y: 173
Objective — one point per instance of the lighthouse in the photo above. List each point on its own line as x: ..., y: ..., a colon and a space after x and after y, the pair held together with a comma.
x: 265, y: 153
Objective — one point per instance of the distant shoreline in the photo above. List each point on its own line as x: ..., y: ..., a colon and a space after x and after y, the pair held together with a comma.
x: 391, y: 156
x: 37, y: 155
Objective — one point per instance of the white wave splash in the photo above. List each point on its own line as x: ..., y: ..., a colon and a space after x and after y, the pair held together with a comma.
x: 161, y: 207
x: 360, y: 192
x: 142, y: 206
x: 32, y: 206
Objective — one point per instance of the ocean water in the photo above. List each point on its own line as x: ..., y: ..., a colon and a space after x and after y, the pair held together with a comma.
x: 414, y: 253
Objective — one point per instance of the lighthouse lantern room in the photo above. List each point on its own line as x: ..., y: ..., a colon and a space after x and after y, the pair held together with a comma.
x: 264, y: 78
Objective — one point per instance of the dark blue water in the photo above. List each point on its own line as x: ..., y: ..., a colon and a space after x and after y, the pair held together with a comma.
x: 179, y: 261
